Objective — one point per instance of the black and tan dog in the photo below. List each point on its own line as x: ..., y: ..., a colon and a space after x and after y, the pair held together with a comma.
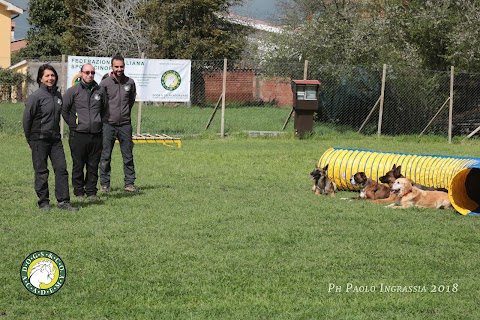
x: 323, y: 185
x: 369, y: 189
x: 396, y: 172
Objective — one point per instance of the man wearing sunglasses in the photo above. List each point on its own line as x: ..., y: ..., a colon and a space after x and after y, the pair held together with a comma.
x: 84, y: 106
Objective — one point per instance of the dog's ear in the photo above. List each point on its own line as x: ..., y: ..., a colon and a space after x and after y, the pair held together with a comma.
x: 363, y: 175
x: 397, y: 172
x: 407, y: 187
x: 326, y: 168
x: 394, y: 166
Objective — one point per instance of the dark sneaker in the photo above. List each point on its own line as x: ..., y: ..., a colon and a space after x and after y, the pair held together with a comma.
x: 80, y: 197
x: 92, y: 197
x: 44, y: 207
x: 65, y: 205
x: 105, y: 189
x: 130, y: 188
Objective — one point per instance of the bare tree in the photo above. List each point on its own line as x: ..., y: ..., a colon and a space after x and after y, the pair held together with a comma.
x: 114, y: 27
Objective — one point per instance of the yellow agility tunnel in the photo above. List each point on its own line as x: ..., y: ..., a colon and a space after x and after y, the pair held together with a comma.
x: 459, y: 175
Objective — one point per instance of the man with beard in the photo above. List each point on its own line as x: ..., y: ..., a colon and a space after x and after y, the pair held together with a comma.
x: 117, y: 124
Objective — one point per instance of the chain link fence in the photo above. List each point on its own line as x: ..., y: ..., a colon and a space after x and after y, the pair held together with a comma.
x: 258, y: 97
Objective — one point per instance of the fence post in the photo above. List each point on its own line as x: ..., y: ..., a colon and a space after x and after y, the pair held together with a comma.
x: 305, y: 70
x: 62, y: 90
x: 450, y: 112
x: 224, y: 90
x: 382, y: 96
x: 140, y: 105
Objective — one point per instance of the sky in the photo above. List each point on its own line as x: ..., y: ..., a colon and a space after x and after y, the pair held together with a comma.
x: 21, y: 27
x: 266, y: 10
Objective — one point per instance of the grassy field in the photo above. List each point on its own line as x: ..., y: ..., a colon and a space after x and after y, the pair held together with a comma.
x: 229, y: 229
x: 178, y: 121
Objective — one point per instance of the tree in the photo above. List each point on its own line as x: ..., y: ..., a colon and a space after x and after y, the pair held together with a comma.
x: 192, y: 29
x: 75, y: 39
x: 47, y: 19
x: 463, y: 50
x: 9, y: 80
x: 431, y: 35
x: 113, y: 26
x: 340, y: 32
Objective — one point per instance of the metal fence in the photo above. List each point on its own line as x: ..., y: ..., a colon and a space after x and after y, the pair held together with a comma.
x: 360, y: 98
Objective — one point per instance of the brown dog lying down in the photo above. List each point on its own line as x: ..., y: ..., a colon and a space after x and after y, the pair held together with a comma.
x: 395, y: 173
x: 408, y: 196
x: 323, y: 185
x: 369, y: 189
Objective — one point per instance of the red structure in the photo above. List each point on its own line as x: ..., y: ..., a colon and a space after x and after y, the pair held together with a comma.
x: 245, y: 86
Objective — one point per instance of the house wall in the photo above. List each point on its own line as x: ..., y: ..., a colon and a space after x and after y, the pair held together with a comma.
x: 5, y: 34
x: 20, y: 94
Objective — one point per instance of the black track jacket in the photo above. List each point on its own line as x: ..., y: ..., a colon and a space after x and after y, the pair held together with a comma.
x: 41, y: 118
x: 84, y: 107
x: 121, y: 97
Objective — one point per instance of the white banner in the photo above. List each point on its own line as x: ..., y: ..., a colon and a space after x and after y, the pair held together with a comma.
x: 156, y: 79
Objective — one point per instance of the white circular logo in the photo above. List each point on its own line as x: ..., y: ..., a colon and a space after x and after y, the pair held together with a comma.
x: 43, y: 273
x: 171, y: 80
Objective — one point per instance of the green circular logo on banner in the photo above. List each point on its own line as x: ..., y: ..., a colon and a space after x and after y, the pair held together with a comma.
x: 43, y: 273
x: 77, y: 79
x: 171, y: 80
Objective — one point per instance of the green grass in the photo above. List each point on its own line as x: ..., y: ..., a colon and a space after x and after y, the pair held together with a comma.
x: 178, y: 120
x: 229, y: 229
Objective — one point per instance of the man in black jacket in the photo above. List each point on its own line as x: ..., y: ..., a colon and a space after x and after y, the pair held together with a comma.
x: 84, y: 105
x: 121, y: 92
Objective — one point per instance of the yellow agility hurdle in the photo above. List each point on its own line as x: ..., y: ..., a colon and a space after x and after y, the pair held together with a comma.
x: 158, y: 138
x: 459, y: 175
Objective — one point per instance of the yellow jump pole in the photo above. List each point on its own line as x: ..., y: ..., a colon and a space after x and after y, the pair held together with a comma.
x: 459, y: 175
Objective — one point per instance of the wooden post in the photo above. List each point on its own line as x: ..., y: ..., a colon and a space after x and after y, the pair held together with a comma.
x: 140, y: 105
x: 62, y: 90
x: 213, y: 113
x: 382, y: 99
x: 369, y: 115
x: 450, y: 112
x: 305, y: 70
x: 472, y: 133
x: 435, y: 116
x: 224, y: 91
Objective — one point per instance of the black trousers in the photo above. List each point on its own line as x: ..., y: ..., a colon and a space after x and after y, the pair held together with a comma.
x: 86, y: 149
x: 124, y: 135
x: 41, y: 151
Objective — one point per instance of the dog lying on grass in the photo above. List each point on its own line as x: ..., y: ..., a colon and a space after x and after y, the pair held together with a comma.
x: 395, y: 173
x: 369, y: 189
x: 322, y: 185
x: 408, y: 196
